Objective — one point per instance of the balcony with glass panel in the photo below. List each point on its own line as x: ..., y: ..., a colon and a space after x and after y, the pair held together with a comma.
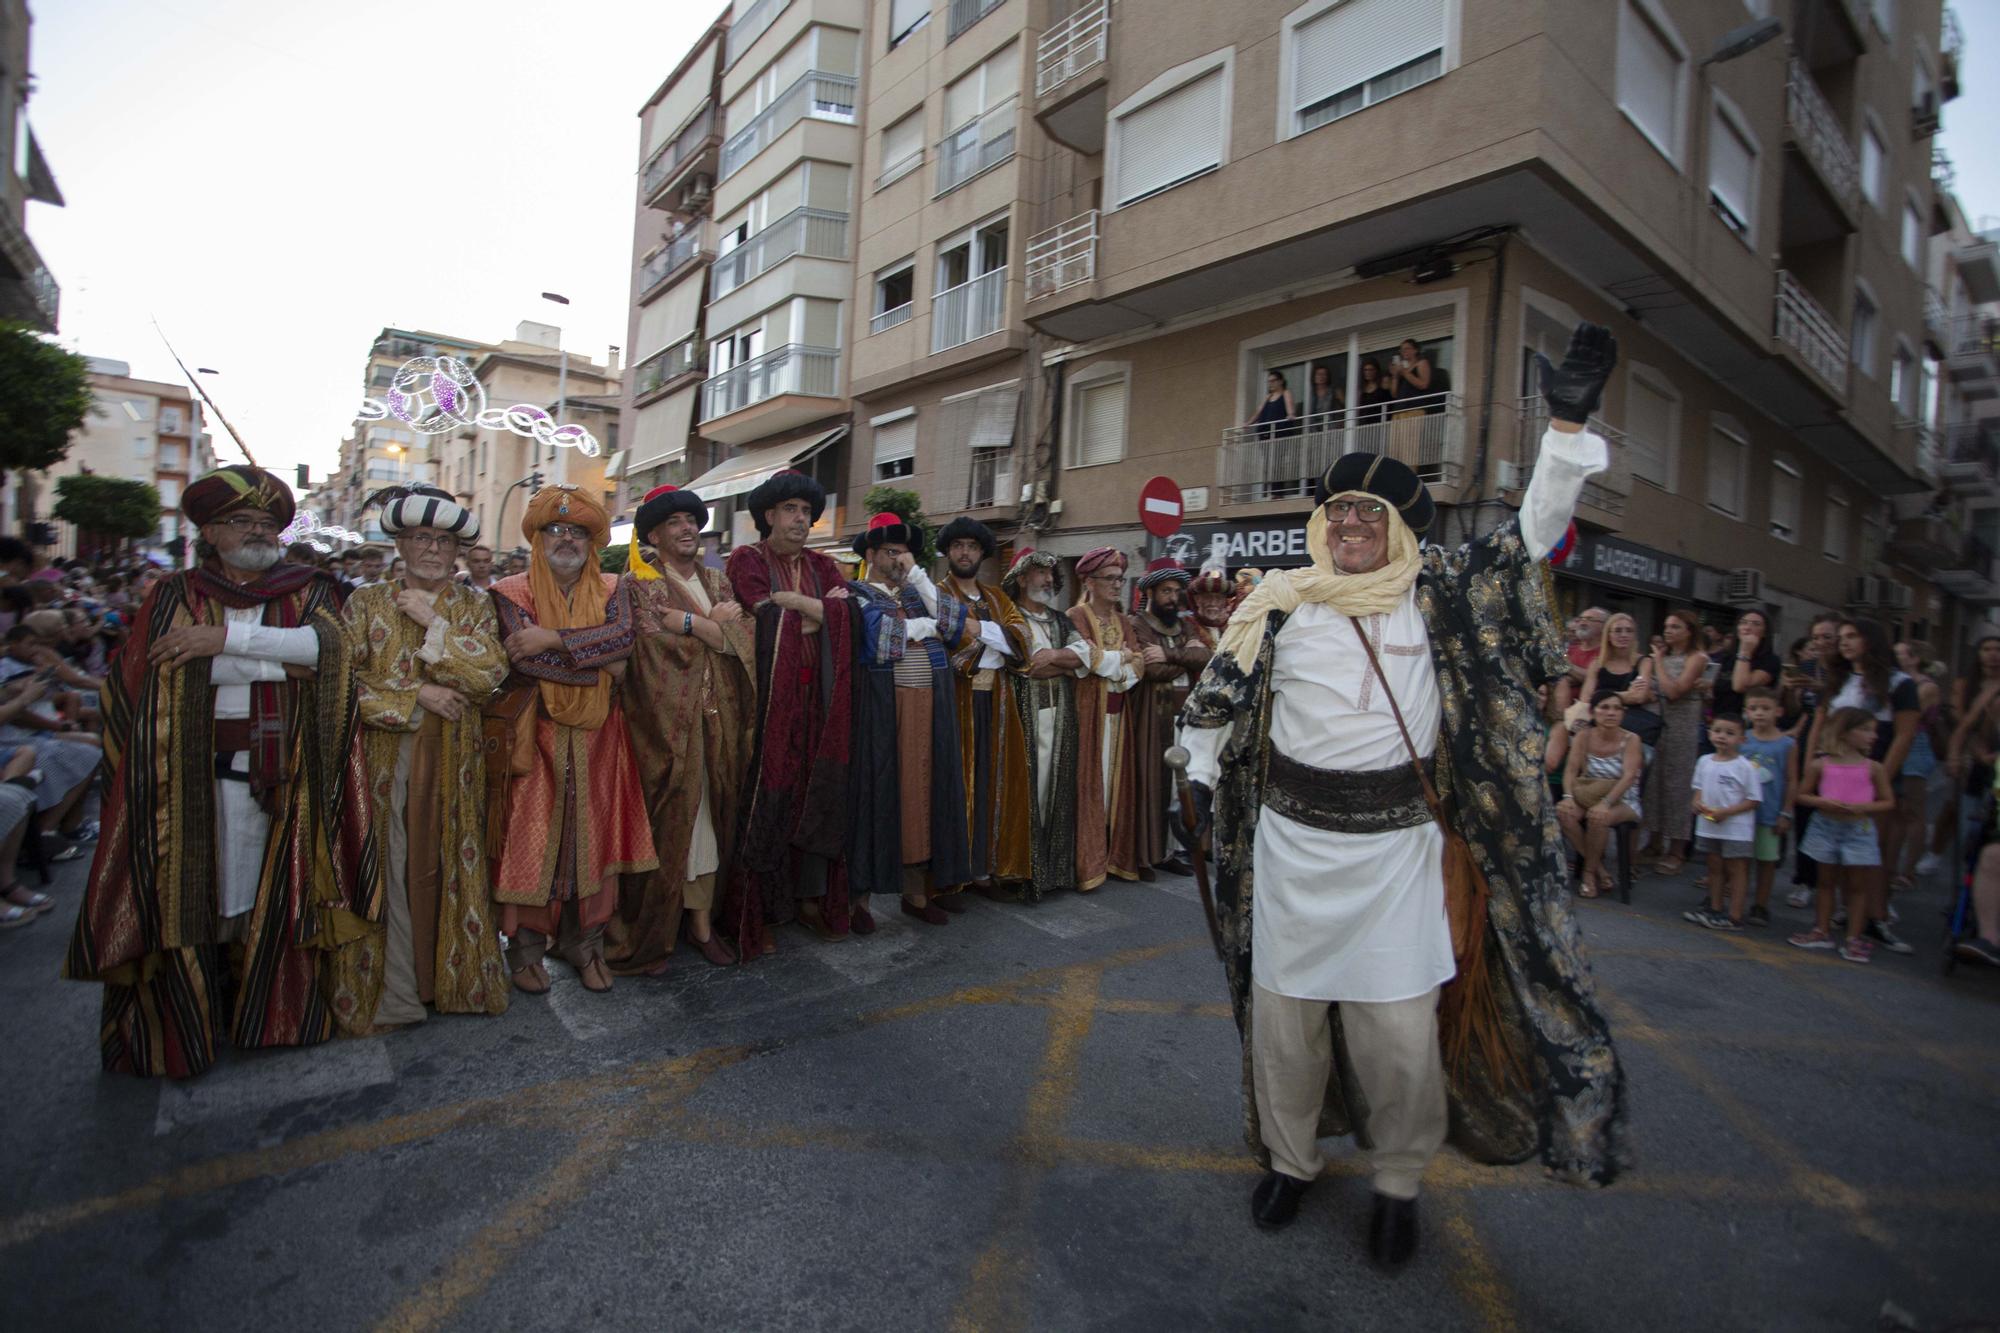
x: 679, y: 160
x: 1282, y: 460
x: 979, y: 145
x: 814, y: 95
x: 814, y: 232
x: 666, y: 370
x: 679, y: 256
x: 781, y: 389
x: 969, y: 310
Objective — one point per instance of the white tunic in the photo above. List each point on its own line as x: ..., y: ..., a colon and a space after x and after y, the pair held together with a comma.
x: 704, y: 852
x: 1360, y: 917
x: 252, y: 652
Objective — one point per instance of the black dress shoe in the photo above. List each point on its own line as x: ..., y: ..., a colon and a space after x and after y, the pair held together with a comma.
x: 1179, y: 865
x: 951, y: 902
x: 1276, y: 1200
x: 1392, y: 1231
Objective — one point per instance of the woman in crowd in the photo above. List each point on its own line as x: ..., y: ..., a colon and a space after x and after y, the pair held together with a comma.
x: 1600, y: 787
x: 1323, y: 398
x: 1279, y: 411
x: 1371, y: 396
x: 1621, y: 669
x: 1750, y: 661
x: 1670, y: 780
x: 1903, y: 841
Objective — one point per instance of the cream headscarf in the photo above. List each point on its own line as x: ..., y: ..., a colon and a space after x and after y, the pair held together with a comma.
x: 1375, y: 593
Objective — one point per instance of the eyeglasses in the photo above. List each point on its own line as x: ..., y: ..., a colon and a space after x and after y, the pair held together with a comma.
x: 429, y: 541
x: 561, y: 530
x: 1107, y: 578
x: 1368, y: 511
x: 252, y: 523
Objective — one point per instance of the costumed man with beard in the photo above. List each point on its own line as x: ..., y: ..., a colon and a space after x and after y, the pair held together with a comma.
x: 236, y: 842
x: 908, y: 826
x: 1107, y: 835
x: 690, y: 711
x: 426, y: 657
x: 794, y: 825
x: 1210, y: 594
x: 992, y: 749
x: 1175, y: 649
x: 1044, y: 696
x: 575, y: 815
x: 1342, y: 913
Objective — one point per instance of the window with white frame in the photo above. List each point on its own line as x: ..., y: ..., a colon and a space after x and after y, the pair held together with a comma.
x: 1728, y: 451
x: 1903, y: 381
x: 1787, y: 492
x: 1343, y: 55
x: 1839, y: 513
x: 1913, y: 234
x: 902, y: 148
x: 1874, y: 158
x: 895, y: 290
x: 1170, y: 137
x: 1732, y: 170
x: 969, y: 295
x: 895, y: 444
x: 1862, y: 335
x: 979, y: 113
x: 1652, y: 74
x: 1652, y: 427
x: 1095, y: 421
x: 905, y: 17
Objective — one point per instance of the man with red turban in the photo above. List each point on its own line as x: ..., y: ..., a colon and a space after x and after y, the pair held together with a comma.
x: 574, y: 814
x: 1107, y: 837
x: 236, y: 853
x: 794, y: 827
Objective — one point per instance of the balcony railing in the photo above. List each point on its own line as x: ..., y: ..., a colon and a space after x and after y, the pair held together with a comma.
x: 965, y: 13
x: 1804, y: 325
x: 1071, y: 47
x: 791, y: 369
x: 976, y: 146
x: 1280, y: 460
x: 814, y: 94
x: 890, y: 318
x: 1972, y: 335
x: 1944, y: 176
x: 803, y: 231
x: 991, y: 481
x: 1819, y: 136
x: 1929, y: 455
x: 1606, y: 490
x: 755, y: 21
x: 1972, y: 458
x: 1935, y: 320
x: 970, y: 310
x: 683, y: 250
x: 1970, y: 573
x: 1062, y: 256
x: 669, y: 158
x: 665, y: 366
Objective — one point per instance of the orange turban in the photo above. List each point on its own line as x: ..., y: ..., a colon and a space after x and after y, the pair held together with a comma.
x: 583, y: 608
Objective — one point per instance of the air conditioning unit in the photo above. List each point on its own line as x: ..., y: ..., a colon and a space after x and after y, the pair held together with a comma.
x: 1864, y: 591
x: 1744, y: 585
x: 1898, y: 597
x: 694, y: 195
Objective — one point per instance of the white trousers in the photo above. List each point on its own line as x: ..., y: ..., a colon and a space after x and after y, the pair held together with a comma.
x: 244, y: 829
x: 1394, y: 1050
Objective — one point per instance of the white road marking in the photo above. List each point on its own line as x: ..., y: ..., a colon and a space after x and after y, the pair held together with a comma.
x: 578, y: 1010
x: 1069, y: 916
x: 242, y: 1087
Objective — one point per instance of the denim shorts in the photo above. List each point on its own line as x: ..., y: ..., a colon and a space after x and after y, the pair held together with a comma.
x: 1842, y: 842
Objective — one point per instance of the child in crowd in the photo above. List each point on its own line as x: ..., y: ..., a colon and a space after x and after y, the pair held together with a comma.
x: 1845, y: 790
x: 1775, y: 753
x: 1727, y: 791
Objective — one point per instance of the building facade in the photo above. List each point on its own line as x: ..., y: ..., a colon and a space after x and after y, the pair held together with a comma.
x: 28, y: 291
x: 136, y: 430
x: 1079, y: 238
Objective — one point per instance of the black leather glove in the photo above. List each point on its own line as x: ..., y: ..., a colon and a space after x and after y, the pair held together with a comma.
x: 1204, y: 803
x: 1573, y: 391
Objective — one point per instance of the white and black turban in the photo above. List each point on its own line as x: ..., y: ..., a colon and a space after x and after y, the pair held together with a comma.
x: 428, y: 507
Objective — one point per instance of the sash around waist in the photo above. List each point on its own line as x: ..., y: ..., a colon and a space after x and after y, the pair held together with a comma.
x: 1338, y: 801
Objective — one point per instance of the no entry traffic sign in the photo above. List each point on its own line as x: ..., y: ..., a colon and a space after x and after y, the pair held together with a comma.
x: 1160, y: 506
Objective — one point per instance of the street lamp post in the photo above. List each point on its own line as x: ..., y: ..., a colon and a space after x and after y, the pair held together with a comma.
x: 562, y: 387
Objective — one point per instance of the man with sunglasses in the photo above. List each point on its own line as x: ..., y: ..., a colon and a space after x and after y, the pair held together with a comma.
x: 575, y: 814
x: 236, y: 841
x: 1373, y: 986
x: 427, y: 656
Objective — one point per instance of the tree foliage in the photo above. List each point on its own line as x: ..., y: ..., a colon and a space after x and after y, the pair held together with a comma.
x: 906, y: 505
x: 44, y: 397
x: 108, y: 506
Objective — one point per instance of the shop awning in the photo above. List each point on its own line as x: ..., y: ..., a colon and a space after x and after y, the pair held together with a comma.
x: 746, y: 472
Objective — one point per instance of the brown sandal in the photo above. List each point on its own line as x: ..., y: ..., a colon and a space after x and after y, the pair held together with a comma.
x: 532, y: 980
x: 596, y: 972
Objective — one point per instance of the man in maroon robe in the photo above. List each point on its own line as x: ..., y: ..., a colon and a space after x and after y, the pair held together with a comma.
x: 794, y: 821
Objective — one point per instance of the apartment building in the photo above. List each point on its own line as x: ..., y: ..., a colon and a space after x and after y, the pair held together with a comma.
x: 139, y: 430
x: 28, y: 292
x: 1079, y: 237
x: 386, y: 452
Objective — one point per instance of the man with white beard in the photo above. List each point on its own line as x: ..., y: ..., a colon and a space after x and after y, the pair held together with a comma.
x: 230, y: 725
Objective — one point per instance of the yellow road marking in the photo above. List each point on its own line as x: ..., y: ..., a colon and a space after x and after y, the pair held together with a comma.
x: 1474, y: 1276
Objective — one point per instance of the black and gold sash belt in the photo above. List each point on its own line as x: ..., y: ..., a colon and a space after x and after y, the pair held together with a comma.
x: 1342, y: 802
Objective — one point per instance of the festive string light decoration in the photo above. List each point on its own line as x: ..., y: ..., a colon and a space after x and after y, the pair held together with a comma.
x: 434, y: 395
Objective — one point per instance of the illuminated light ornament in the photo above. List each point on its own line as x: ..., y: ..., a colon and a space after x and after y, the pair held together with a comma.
x: 299, y: 529
x: 434, y: 395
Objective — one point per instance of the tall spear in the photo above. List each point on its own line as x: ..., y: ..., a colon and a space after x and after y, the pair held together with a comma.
x: 248, y: 457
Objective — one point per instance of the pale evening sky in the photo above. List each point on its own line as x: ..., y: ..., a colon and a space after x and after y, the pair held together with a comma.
x: 275, y: 183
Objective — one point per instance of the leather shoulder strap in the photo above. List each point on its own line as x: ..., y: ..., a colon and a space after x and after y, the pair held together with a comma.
x: 1430, y: 793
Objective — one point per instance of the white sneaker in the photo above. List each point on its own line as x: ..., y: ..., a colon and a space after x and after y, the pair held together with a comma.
x: 1928, y: 864
x: 1799, y: 898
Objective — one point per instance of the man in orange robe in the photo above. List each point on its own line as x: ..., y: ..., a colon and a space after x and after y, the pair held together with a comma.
x: 575, y: 813
x: 1107, y: 824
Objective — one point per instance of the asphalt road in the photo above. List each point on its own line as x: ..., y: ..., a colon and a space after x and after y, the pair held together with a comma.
x: 1025, y: 1119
